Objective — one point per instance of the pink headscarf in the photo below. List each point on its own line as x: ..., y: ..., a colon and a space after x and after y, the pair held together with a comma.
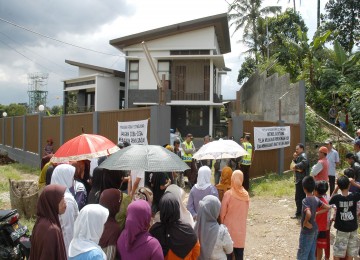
x: 237, y: 190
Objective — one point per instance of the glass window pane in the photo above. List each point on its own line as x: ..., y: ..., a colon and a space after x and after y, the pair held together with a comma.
x: 134, y: 66
x: 163, y: 65
x: 134, y: 76
x: 134, y: 84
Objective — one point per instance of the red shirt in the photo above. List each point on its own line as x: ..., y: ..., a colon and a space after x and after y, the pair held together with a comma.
x: 322, y: 219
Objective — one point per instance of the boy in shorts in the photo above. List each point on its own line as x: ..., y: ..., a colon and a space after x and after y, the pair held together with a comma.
x: 346, y: 240
x: 323, y: 221
x: 309, y: 228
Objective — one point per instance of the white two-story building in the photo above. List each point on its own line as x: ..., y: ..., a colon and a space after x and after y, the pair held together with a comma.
x: 190, y: 55
x: 95, y: 88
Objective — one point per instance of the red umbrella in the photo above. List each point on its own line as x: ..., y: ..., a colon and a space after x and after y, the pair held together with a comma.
x: 84, y: 147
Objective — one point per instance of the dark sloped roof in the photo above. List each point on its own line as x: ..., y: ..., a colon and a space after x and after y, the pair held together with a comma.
x: 117, y: 73
x: 220, y: 22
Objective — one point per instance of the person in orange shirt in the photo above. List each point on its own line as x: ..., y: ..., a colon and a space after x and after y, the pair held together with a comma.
x: 225, y: 182
x: 234, y: 211
x: 177, y: 239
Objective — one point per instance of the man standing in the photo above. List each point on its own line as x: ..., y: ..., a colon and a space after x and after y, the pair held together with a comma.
x: 332, y: 114
x: 188, y: 152
x: 351, y: 160
x: 301, y: 169
x: 246, y: 162
x: 357, y: 148
x: 320, y: 171
x: 207, y: 139
x: 333, y: 161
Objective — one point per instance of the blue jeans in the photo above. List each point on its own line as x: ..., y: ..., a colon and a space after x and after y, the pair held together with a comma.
x: 307, y: 246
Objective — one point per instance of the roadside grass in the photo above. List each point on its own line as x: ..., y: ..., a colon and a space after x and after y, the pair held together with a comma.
x: 273, y: 185
x: 16, y: 172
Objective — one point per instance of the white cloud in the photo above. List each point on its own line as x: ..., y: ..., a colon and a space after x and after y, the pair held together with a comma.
x: 92, y: 26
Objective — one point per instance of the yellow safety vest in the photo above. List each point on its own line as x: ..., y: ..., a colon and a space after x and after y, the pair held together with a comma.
x: 247, y: 158
x: 187, y: 157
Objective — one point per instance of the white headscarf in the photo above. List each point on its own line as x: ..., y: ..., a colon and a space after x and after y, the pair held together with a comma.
x: 64, y: 175
x: 203, y: 179
x: 89, y: 227
x: 185, y: 215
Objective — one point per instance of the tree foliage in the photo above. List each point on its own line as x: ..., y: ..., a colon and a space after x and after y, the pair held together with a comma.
x: 245, y: 14
x: 342, y: 17
x: 13, y: 109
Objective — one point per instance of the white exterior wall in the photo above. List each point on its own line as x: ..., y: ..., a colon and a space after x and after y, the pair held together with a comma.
x: 107, y: 96
x: 85, y: 71
x: 199, y: 39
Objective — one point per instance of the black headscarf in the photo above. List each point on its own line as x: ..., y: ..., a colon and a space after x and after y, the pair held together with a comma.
x: 171, y: 232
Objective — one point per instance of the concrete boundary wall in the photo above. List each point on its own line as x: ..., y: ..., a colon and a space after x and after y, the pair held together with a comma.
x: 260, y: 95
x: 24, y: 137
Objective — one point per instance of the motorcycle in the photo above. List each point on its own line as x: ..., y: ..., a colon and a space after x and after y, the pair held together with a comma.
x: 14, y: 239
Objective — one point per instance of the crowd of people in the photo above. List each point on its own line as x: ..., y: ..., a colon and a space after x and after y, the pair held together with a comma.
x: 88, y: 212
x: 317, y: 210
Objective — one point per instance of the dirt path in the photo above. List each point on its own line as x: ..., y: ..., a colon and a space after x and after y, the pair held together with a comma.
x: 271, y: 233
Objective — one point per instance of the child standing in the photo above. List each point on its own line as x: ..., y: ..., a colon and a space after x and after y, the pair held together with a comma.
x: 322, y: 220
x: 309, y: 229
x: 346, y: 240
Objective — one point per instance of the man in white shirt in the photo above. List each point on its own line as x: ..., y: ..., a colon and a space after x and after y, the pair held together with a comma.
x: 136, y: 180
x: 357, y: 148
x: 333, y: 160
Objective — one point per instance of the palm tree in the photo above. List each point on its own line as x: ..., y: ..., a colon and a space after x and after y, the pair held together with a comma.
x: 245, y: 14
x: 318, y: 13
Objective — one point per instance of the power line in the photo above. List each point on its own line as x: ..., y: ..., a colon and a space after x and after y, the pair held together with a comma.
x: 60, y: 66
x: 29, y: 58
x: 51, y: 38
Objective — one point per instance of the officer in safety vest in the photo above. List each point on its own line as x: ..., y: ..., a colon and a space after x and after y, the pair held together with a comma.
x: 188, y: 148
x: 246, y: 161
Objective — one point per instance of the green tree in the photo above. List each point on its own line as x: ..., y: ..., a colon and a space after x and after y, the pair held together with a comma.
x: 343, y: 17
x: 283, y: 33
x: 248, y: 67
x: 15, y: 110
x: 244, y: 14
x: 56, y: 110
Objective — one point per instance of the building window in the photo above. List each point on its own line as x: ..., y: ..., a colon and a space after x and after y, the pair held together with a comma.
x: 164, y: 69
x: 194, y: 117
x: 133, y: 74
x: 190, y: 52
x: 82, y: 83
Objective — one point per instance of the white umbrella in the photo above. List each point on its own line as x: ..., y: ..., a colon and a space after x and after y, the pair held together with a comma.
x: 221, y: 149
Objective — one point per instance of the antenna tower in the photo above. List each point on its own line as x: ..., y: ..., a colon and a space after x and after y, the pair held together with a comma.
x: 37, y: 90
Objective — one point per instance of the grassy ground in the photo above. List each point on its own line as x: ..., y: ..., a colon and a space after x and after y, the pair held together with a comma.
x: 273, y: 185
x: 15, y: 171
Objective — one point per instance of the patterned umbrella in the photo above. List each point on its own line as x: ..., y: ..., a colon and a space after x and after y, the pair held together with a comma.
x: 221, y: 149
x: 152, y: 158
x: 84, y: 147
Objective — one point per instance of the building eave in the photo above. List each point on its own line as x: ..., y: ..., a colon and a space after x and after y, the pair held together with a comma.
x: 219, y: 22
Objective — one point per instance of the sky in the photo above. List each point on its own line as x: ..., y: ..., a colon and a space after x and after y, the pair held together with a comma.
x: 92, y: 26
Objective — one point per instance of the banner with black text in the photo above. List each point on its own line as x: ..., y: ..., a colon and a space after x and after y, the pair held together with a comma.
x: 267, y: 138
x: 134, y: 132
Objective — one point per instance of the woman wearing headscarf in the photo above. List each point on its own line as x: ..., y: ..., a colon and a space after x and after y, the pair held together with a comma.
x: 96, y: 184
x: 225, y: 182
x: 202, y: 188
x: 214, y: 239
x: 234, y: 211
x: 120, y: 217
x: 89, y: 227
x: 177, y: 239
x: 47, y: 240
x: 135, y: 242
x: 110, y: 199
x: 185, y: 215
x: 64, y: 175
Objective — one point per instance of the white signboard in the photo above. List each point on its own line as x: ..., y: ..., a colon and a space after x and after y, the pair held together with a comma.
x: 134, y: 132
x: 267, y: 138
